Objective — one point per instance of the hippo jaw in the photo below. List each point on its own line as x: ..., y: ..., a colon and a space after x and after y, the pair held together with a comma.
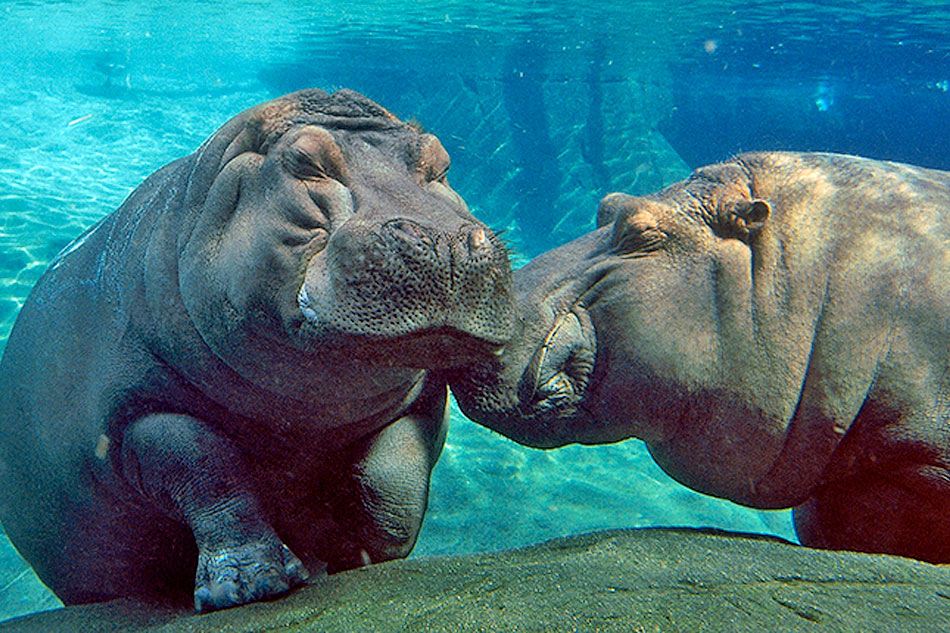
x: 534, y: 390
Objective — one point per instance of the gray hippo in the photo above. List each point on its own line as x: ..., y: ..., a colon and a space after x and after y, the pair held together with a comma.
x: 776, y: 328
x: 226, y: 382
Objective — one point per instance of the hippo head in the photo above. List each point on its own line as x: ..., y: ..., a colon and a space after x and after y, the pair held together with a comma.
x: 321, y: 224
x: 613, y: 326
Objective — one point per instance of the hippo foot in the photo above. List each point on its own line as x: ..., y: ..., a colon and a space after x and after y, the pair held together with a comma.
x: 254, y: 571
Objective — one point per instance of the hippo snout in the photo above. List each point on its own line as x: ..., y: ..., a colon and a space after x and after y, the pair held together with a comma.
x: 404, y: 278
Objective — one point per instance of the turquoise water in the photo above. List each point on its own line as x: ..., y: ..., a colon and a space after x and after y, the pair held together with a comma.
x: 544, y: 107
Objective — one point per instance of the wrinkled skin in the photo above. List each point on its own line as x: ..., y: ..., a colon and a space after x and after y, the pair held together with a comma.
x: 224, y: 386
x: 776, y: 328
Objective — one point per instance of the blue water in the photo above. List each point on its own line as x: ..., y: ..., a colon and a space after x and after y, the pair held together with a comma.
x: 544, y: 107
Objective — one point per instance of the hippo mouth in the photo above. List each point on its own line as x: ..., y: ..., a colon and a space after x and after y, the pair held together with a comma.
x: 433, y: 347
x: 557, y: 377
x: 544, y: 407
x: 541, y: 405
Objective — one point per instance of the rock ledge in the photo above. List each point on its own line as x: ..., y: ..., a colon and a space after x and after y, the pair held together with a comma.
x: 624, y: 580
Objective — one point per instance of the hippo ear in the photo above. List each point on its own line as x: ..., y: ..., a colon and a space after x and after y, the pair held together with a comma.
x: 743, y: 219
x: 245, y: 141
x: 232, y: 139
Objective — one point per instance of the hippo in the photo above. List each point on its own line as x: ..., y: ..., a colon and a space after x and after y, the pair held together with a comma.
x: 226, y: 385
x: 775, y: 328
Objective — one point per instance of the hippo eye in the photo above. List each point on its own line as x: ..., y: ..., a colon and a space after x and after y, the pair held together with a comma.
x: 440, y: 184
x: 428, y: 173
x: 441, y: 187
x: 432, y: 161
x: 314, y: 154
x: 441, y: 177
x: 636, y: 234
x: 299, y: 163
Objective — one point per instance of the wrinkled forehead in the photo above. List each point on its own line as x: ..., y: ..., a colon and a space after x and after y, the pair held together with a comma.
x: 713, y: 181
x: 353, y: 121
x: 340, y: 113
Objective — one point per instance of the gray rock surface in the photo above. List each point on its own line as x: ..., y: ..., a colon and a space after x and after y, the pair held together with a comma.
x: 626, y: 580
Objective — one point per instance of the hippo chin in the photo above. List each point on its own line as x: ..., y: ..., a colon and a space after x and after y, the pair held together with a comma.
x: 223, y: 387
x: 776, y: 328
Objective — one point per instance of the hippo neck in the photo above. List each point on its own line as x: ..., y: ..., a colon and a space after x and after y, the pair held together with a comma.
x: 808, y: 349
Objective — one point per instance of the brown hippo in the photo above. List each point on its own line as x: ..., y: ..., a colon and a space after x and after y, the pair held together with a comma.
x: 224, y: 383
x: 776, y: 328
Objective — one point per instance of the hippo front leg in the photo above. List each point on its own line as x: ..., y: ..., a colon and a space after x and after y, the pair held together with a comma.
x: 194, y: 475
x: 389, y: 485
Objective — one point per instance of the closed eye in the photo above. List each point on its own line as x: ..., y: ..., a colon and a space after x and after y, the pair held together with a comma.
x: 636, y: 234
x: 638, y: 243
x: 441, y: 177
x: 314, y: 155
x: 301, y: 165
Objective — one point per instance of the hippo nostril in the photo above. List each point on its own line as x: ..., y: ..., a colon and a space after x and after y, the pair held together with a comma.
x: 375, y: 254
x: 408, y: 231
x: 477, y: 239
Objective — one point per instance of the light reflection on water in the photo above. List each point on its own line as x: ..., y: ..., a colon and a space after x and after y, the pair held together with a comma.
x: 177, y: 36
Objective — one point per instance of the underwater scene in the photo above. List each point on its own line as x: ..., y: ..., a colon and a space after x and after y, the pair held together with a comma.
x: 544, y: 107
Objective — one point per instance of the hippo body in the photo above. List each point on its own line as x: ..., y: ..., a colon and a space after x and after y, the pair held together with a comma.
x: 224, y: 384
x: 776, y: 328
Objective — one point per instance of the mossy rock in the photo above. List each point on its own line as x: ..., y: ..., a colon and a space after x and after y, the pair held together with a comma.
x: 626, y: 581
